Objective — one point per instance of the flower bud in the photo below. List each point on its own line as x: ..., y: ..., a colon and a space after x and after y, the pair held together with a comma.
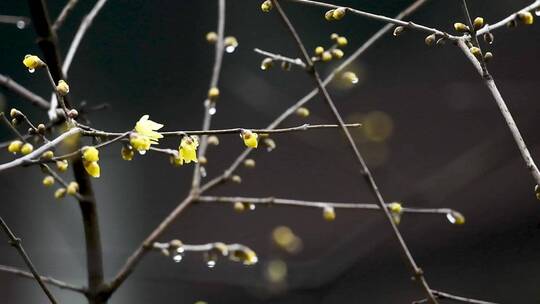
x: 475, y: 51
x: 213, y: 140
x: 339, y: 13
x: 27, y: 148
x: 15, y: 146
x: 48, y: 181
x: 249, y: 163
x: 326, y: 56
x: 430, y: 40
x: 127, y: 153
x: 329, y: 213
x: 526, y: 18
x: 62, y: 165
x: 60, y: 193
x: 302, y: 112
x: 62, y: 88
x: 267, y: 63
x: 72, y: 188
x: 319, y: 50
x: 211, y: 37
x: 14, y: 113
x: 337, y: 53
x: 47, y: 155
x: 398, y: 30
x: 213, y: 94
x: 266, y: 6
x: 460, y: 27
x: 478, y: 23
x: 488, y: 56
x: 239, y: 207
x: 329, y: 15
x: 342, y: 41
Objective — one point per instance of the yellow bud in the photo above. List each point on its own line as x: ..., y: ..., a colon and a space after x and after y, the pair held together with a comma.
x: 203, y: 160
x: 92, y: 168
x: 14, y: 113
x: 460, y: 27
x: 211, y: 37
x: 60, y: 193
x: 329, y: 214
x: 475, y: 51
x: 302, y: 112
x: 250, y: 138
x: 337, y: 53
x: 398, y: 30
x: 62, y: 88
x: 526, y: 18
x: 342, y: 41
x: 339, y: 13
x: 236, y: 178
x: 350, y: 77
x: 537, y: 191
x: 213, y: 94
x: 329, y: 15
x: 230, y: 44
x: 27, y: 148
x: 478, y: 23
x: 395, y: 207
x: 455, y: 218
x: 48, y: 181
x: 430, y: 40
x: 267, y: 63
x: 249, y: 163
x: 326, y: 56
x: 319, y: 50
x: 90, y: 154
x: 127, y: 153
x: 47, y: 155
x: 213, y: 140
x: 266, y: 6
x: 334, y: 36
x: 32, y: 62
x: 270, y: 144
x: 62, y: 165
x: 488, y: 56
x: 15, y: 146
x: 239, y: 207
x: 72, y: 188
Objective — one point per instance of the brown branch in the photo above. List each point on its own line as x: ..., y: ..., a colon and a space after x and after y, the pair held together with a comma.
x: 292, y: 109
x: 209, y: 104
x: 316, y: 204
x: 23, y: 92
x: 44, y: 279
x: 70, y: 5
x: 16, y: 242
x: 417, y: 271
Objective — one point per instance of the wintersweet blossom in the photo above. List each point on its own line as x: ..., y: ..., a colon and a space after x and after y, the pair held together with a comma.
x: 90, y: 158
x: 145, y: 134
x: 32, y: 62
x: 250, y: 138
x: 187, y: 151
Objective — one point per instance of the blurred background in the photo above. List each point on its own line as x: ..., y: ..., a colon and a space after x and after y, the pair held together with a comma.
x: 432, y: 135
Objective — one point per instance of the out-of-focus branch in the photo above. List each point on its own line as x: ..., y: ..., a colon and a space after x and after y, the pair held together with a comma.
x: 417, y: 271
x: 291, y: 110
x: 443, y: 295
x: 210, y: 104
x: 23, y: 92
x: 44, y: 279
x: 16, y: 242
x: 70, y: 5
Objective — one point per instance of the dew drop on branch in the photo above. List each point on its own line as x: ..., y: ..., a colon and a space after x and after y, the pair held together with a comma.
x: 31, y: 70
x: 21, y: 24
x: 211, y: 264
x: 177, y: 258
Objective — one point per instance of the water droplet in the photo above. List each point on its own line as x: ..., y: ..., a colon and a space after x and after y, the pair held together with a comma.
x: 230, y: 48
x: 203, y: 171
x: 31, y: 70
x: 354, y: 81
x: 180, y: 250
x: 251, y: 206
x: 537, y: 12
x: 269, y: 149
x: 212, y: 110
x: 142, y: 152
x: 177, y: 258
x: 211, y: 264
x: 21, y: 24
x: 451, y: 217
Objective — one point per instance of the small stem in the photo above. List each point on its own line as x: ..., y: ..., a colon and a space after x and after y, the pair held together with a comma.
x: 70, y: 5
x: 16, y: 242
x: 45, y: 279
x: 277, y: 57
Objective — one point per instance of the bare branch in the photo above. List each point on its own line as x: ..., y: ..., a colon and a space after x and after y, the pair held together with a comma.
x: 417, y: 271
x: 23, y: 92
x: 16, y: 242
x: 70, y: 5
x: 443, y: 295
x: 503, y: 22
x: 277, y: 57
x: 44, y: 279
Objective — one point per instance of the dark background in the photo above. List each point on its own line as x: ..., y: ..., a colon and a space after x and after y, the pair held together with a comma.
x: 449, y: 148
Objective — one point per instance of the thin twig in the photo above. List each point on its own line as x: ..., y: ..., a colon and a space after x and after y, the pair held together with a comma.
x: 511, y: 124
x: 443, y: 295
x: 209, y: 104
x: 292, y: 109
x: 417, y: 271
x: 316, y: 204
x: 16, y: 242
x: 20, y: 21
x: 70, y: 5
x: 44, y: 279
x: 278, y: 57
x: 503, y: 22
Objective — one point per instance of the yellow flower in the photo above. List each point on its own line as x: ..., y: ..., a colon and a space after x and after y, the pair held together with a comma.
x: 15, y: 146
x: 250, y: 138
x: 27, y: 148
x: 187, y: 151
x: 62, y: 165
x: 90, y: 154
x: 62, y: 88
x: 329, y: 214
x: 92, y: 168
x: 48, y: 181
x: 146, y: 134
x: 32, y: 62
x: 395, y: 207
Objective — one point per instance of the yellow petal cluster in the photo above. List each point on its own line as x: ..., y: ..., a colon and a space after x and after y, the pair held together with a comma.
x: 90, y: 158
x: 187, y: 151
x: 32, y: 62
x: 145, y: 134
x: 250, y: 138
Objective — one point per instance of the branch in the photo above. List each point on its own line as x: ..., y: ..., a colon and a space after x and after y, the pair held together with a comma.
x: 291, y: 110
x: 277, y: 57
x: 444, y: 295
x: 210, y: 104
x: 16, y: 242
x: 235, y: 252
x: 316, y: 204
x: 70, y: 5
x: 488, y: 28
x: 511, y: 124
x: 396, y: 21
x: 44, y: 279
x: 418, y: 273
x: 23, y: 92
